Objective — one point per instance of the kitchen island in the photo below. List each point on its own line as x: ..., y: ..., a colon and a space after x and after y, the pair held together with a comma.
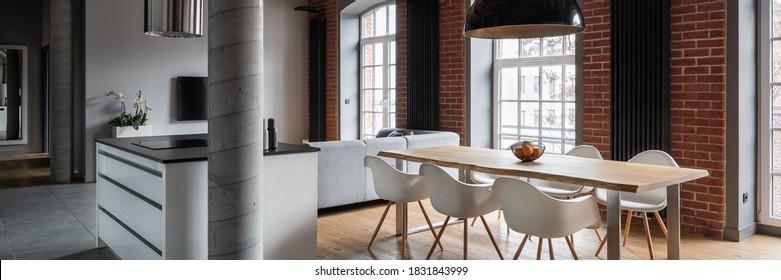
x: 152, y: 198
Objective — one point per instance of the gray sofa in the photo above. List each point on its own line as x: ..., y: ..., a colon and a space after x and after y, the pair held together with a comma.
x: 341, y: 177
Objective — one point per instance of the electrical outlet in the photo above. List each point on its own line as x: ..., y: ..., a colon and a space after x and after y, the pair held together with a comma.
x: 745, y: 197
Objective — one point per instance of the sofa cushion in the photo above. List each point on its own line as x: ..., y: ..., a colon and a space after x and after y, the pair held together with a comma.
x: 341, y: 175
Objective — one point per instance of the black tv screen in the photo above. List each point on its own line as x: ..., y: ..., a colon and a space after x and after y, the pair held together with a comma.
x: 192, y: 98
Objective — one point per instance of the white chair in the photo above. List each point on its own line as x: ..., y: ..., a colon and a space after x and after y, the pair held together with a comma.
x: 528, y: 210
x: 400, y: 188
x: 459, y: 200
x: 566, y: 190
x: 649, y: 201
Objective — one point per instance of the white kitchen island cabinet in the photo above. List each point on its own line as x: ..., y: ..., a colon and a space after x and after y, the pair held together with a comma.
x: 153, y: 204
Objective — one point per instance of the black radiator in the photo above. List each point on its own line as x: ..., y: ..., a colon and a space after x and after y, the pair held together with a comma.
x: 423, y: 64
x: 639, y: 77
x: 317, y: 79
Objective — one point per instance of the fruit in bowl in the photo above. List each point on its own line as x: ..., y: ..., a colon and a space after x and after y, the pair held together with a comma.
x: 527, y: 151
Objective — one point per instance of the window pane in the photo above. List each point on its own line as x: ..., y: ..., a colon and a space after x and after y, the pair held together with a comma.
x: 369, y: 53
x: 368, y: 77
x: 392, y: 19
x: 553, y: 146
x: 530, y: 119
x: 381, y: 20
x: 569, y: 44
x: 776, y: 19
x: 776, y: 63
x: 551, y: 82
x: 392, y: 53
x: 507, y: 140
x: 377, y: 123
x: 368, y: 119
x: 552, y: 46
x: 377, y: 81
x: 569, y: 120
x: 392, y: 77
x: 776, y: 168
x: 368, y: 25
x: 367, y: 100
x: 377, y: 101
x: 568, y: 145
x: 552, y: 119
x: 776, y: 110
x: 508, y: 83
x: 508, y: 48
x: 569, y: 79
x: 508, y: 121
x: 776, y: 194
x: 531, y: 47
x: 378, y: 50
x: 530, y: 83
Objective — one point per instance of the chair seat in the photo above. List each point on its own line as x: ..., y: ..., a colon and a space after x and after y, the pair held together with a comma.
x: 632, y: 205
x: 558, y: 193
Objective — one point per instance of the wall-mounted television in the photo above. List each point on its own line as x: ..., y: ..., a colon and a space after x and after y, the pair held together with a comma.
x: 192, y: 98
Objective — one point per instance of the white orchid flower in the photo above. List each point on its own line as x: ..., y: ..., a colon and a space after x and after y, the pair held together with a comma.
x: 138, y: 101
x: 117, y: 95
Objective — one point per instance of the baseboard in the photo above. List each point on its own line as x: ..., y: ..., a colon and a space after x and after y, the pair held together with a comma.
x: 769, y: 230
x: 732, y: 234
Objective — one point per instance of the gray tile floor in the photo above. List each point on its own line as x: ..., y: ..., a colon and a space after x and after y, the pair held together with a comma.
x: 49, y: 222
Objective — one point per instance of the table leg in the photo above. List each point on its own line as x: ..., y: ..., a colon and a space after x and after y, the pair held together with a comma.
x: 613, y: 225
x: 674, y: 222
x: 399, y: 209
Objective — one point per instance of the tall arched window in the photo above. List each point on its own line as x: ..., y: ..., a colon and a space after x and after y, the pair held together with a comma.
x: 378, y: 69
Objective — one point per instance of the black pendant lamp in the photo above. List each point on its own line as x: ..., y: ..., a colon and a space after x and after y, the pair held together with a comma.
x: 500, y: 19
x: 173, y: 18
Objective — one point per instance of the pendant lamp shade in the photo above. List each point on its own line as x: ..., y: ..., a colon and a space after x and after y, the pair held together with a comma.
x: 173, y: 18
x: 500, y: 19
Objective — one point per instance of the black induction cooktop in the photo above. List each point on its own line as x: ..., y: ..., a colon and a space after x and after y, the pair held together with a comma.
x: 172, y: 144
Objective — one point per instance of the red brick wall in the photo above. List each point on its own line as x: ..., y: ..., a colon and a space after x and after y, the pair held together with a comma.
x: 331, y: 15
x: 401, y: 63
x: 698, y: 95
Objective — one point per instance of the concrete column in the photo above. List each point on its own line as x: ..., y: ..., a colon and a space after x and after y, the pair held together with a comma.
x: 61, y: 91
x: 235, y: 35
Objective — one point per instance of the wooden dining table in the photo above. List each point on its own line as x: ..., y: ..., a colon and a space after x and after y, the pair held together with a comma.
x: 614, y: 176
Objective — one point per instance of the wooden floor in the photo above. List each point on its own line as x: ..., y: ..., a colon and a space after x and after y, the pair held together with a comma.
x: 343, y: 234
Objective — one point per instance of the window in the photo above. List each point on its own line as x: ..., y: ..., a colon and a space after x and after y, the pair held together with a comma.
x: 770, y: 110
x: 534, y: 80
x: 378, y: 70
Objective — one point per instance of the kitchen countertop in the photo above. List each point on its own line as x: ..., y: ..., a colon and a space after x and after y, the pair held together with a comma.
x: 196, y: 152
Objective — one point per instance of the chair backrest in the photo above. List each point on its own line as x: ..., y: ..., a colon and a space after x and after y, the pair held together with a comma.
x: 528, y: 210
x: 585, y: 151
x: 456, y: 199
x: 657, y: 196
x: 393, y: 185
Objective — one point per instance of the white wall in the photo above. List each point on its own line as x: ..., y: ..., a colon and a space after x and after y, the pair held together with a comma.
x: 284, y: 68
x: 120, y: 57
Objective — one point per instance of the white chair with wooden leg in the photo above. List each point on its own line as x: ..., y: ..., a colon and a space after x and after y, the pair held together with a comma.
x: 400, y: 188
x: 459, y: 200
x: 643, y: 202
x: 530, y: 211
x: 565, y: 190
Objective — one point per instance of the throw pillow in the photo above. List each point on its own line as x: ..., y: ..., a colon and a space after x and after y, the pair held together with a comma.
x: 395, y: 134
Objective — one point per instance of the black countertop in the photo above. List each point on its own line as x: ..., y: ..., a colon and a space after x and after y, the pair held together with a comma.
x: 194, y: 147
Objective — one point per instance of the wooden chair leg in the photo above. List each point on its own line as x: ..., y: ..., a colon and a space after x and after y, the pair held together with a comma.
x: 500, y: 214
x: 628, y: 224
x: 430, y: 226
x: 405, y: 221
x: 601, y: 244
x: 648, y: 236
x: 487, y: 229
x: 520, y: 247
x: 473, y: 221
x: 539, y: 248
x: 550, y: 249
x: 596, y: 231
x: 442, y: 230
x: 466, y: 237
x: 379, y: 225
x: 661, y: 223
x: 571, y: 248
